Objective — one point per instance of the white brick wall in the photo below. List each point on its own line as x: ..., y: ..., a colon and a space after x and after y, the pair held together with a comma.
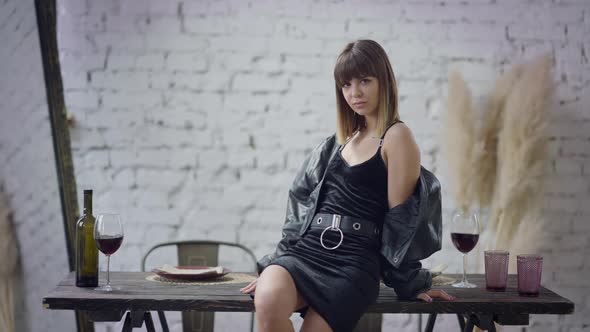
x: 193, y: 116
x: 27, y: 168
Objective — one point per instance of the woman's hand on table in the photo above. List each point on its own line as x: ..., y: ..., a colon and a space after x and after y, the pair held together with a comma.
x: 434, y: 294
x: 250, y: 288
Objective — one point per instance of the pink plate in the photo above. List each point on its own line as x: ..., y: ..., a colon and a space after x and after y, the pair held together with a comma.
x: 201, y: 276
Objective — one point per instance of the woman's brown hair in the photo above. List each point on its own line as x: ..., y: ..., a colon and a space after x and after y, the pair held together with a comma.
x: 359, y: 59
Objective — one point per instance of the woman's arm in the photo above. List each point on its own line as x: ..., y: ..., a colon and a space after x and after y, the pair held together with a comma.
x: 402, y: 157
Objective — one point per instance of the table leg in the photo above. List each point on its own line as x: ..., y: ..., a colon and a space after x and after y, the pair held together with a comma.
x: 127, y: 325
x: 461, y: 320
x: 164, y: 322
x: 469, y: 325
x: 149, y: 323
x: 430, y: 323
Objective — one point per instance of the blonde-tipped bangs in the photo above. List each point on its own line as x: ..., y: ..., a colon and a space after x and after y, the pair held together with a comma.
x: 353, y: 65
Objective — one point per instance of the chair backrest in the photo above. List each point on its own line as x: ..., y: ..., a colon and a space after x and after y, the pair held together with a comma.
x: 195, y: 252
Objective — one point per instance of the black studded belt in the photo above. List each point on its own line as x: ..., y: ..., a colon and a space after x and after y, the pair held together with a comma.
x: 344, y: 224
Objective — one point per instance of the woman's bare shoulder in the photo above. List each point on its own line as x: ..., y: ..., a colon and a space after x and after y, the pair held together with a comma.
x: 399, y: 137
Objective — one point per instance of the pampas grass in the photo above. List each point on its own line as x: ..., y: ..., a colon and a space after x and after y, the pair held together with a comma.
x: 458, y: 135
x: 8, y: 268
x: 485, y: 151
x: 522, y: 152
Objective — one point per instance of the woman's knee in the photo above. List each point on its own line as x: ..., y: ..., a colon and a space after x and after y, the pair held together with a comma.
x: 275, y: 294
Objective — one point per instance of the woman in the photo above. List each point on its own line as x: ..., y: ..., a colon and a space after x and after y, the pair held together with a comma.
x: 360, y: 208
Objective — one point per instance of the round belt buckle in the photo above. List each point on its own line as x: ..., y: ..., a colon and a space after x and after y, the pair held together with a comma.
x: 322, y: 238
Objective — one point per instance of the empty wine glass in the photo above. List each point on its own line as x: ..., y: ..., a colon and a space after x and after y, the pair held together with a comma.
x: 108, y: 234
x: 465, y: 234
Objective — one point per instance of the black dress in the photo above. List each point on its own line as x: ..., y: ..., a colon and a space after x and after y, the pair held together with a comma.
x: 340, y: 284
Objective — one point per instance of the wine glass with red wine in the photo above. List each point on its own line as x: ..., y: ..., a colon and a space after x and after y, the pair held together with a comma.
x: 464, y: 233
x: 108, y: 234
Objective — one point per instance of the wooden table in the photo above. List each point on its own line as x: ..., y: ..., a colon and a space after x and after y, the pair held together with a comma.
x: 138, y: 296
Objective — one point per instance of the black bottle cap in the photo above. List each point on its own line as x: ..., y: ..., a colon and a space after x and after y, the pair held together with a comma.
x: 87, y: 191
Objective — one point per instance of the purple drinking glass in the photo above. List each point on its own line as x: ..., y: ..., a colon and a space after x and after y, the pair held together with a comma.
x: 529, y: 269
x: 496, y: 266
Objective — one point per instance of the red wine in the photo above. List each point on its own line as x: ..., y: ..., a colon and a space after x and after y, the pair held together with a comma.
x: 464, y: 242
x: 108, y: 244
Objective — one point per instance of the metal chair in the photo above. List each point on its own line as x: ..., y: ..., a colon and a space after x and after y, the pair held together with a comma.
x: 195, y: 252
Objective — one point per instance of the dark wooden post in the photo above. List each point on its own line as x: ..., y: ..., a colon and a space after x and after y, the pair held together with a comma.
x: 47, y: 28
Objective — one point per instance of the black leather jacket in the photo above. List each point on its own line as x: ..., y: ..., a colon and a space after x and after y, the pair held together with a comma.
x: 411, y: 230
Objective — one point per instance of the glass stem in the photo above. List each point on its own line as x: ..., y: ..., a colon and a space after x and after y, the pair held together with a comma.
x: 464, y: 269
x: 108, y: 269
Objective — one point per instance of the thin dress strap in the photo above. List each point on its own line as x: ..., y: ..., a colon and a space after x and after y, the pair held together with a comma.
x: 383, y: 136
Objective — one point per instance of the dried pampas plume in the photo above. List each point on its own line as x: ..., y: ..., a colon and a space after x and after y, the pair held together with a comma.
x: 485, y: 150
x: 522, y: 151
x: 8, y: 268
x: 458, y: 136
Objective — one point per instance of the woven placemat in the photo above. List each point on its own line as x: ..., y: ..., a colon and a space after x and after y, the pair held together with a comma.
x: 237, y: 278
x: 442, y: 280
x: 230, y: 278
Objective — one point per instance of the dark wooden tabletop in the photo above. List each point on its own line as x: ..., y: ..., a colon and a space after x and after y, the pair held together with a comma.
x: 137, y: 293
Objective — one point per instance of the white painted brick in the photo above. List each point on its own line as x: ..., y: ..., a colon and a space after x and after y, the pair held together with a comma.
x: 295, y: 46
x: 133, y: 81
x: 568, y: 167
x: 75, y: 23
x: 193, y: 100
x: 267, y: 64
x: 113, y: 119
x: 566, y: 185
x: 302, y: 28
x: 147, y: 215
x: 251, y: 26
x: 124, y: 23
x: 577, y: 147
x: 150, y: 61
x: 187, y: 61
x: 119, y: 41
x: 369, y: 29
x: 75, y: 62
x: 206, y: 25
x: 124, y: 178
x: 125, y: 99
x: 308, y: 86
x: 81, y: 99
x: 269, y: 8
x: 239, y: 44
x: 578, y: 32
x: 205, y: 82
x: 152, y: 199
x: 550, y: 32
x: 303, y: 64
x: 74, y: 81
x: 437, y: 13
x: 258, y: 82
x: 165, y: 25
x: 378, y: 11
x: 120, y: 61
x: 178, y: 42
x: 473, y: 32
x: 470, y: 50
x: 97, y: 159
x: 159, y: 179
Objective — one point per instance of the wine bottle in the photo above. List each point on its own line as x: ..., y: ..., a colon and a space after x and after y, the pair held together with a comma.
x: 86, y: 250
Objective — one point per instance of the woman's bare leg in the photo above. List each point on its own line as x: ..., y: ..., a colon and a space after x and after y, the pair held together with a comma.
x: 313, y: 322
x: 275, y: 299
